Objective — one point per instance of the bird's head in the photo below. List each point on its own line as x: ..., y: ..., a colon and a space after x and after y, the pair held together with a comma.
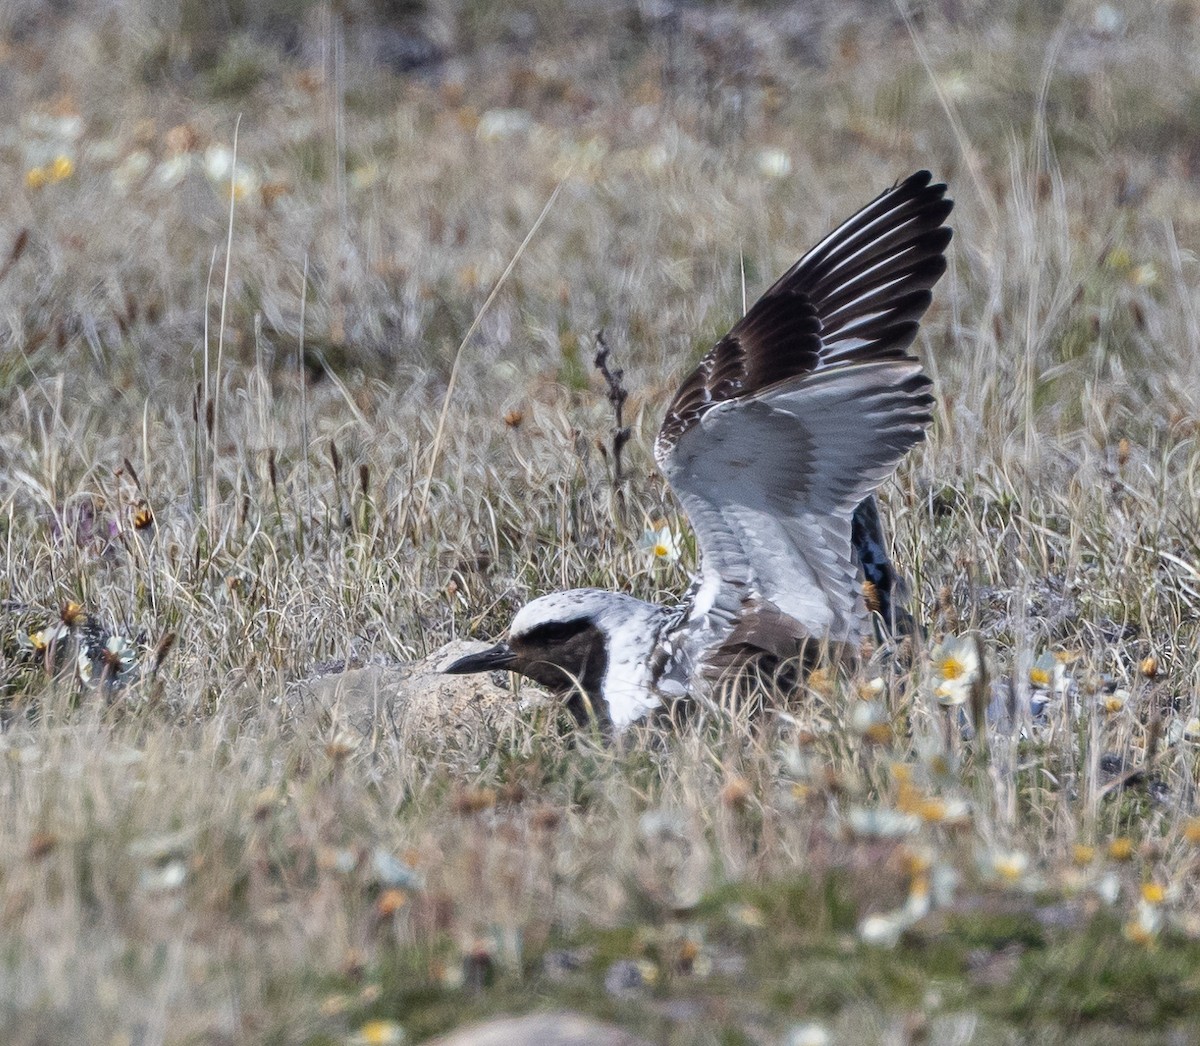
x: 567, y: 642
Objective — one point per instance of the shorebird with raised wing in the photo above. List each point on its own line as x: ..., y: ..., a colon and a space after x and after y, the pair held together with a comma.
x: 774, y: 445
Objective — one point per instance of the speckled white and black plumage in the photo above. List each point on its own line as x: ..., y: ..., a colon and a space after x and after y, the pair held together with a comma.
x: 774, y: 445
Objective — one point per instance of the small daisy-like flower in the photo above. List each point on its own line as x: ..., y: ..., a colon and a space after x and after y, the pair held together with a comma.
x: 1121, y: 848
x: 1010, y: 867
x: 218, y: 163
x: 809, y: 1035
x: 120, y: 658
x: 866, y: 715
x: 365, y: 176
x: 132, y: 169
x: 83, y: 662
x: 748, y: 915
x: 1107, y: 887
x: 57, y: 170
x: 60, y: 168
x: 919, y: 903
x: 1153, y: 893
x: 883, y: 931
x: 662, y: 543
x: 881, y: 823
x: 379, y: 1033
x: 496, y: 124
x: 1049, y: 674
x: 1144, y: 275
x: 244, y: 184
x: 229, y: 175
x: 332, y: 1005
x: 935, y: 810
x: 870, y: 689
x: 44, y: 639
x: 956, y: 667
x: 774, y: 163
x: 1145, y: 925
x: 1115, y: 702
x: 172, y: 171
x: 112, y: 662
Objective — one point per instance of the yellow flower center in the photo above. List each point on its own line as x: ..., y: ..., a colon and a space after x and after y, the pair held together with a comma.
x: 1011, y: 868
x: 1039, y: 677
x: 1137, y: 933
x: 1153, y: 893
x: 1120, y: 849
x: 61, y: 168
x: 1082, y: 854
x: 379, y: 1033
x: 952, y: 668
x: 661, y: 550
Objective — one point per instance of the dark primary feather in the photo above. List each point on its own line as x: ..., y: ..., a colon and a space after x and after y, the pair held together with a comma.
x: 871, y: 554
x: 856, y: 296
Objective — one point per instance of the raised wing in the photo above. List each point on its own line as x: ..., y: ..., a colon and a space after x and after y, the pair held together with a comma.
x: 801, y: 411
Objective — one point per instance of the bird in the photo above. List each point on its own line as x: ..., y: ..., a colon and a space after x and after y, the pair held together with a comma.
x: 774, y: 445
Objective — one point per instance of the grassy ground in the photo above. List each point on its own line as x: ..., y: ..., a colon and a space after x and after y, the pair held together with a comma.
x: 250, y: 442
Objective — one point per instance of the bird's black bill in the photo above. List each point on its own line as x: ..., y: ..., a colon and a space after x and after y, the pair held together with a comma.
x: 499, y: 656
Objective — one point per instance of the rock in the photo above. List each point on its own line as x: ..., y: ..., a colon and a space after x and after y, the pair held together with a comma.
x: 413, y: 701
x: 546, y: 1029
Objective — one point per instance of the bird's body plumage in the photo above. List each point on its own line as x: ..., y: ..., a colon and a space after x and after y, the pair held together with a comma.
x: 774, y: 446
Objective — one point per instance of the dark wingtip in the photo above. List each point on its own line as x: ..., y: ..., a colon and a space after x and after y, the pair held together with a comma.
x: 917, y: 180
x: 921, y: 184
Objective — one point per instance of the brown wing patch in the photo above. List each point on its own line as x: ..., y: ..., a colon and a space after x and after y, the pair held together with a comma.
x: 778, y: 339
x: 762, y: 629
x: 770, y: 647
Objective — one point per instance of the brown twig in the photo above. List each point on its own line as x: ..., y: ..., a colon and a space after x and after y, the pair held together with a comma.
x: 617, y: 395
x: 14, y: 255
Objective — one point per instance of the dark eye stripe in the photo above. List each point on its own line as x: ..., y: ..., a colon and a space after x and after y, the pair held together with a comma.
x: 555, y: 631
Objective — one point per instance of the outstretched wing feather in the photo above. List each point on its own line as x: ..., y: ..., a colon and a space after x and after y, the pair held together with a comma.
x: 804, y: 407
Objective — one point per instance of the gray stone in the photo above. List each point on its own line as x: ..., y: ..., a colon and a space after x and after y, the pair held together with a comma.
x: 414, y: 701
x: 546, y: 1029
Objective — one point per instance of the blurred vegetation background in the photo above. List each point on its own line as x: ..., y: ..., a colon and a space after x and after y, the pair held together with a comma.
x: 298, y: 303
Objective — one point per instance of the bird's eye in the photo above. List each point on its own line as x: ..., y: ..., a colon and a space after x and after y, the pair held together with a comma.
x: 554, y: 632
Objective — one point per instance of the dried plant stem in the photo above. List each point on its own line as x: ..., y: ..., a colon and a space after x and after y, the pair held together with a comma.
x: 617, y: 395
x: 216, y: 392
x: 435, y: 452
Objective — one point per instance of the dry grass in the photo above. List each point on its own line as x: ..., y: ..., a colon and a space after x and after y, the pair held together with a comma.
x: 181, y: 862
